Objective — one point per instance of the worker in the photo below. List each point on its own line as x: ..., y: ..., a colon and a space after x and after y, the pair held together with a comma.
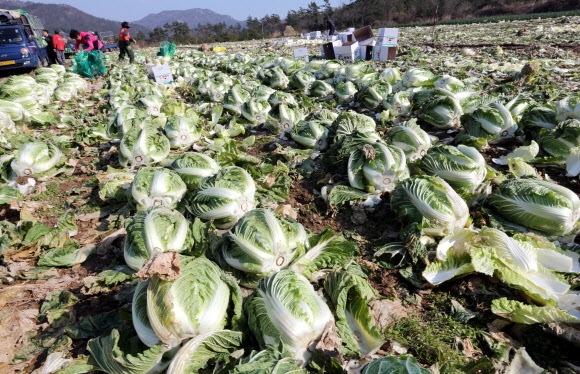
x: 59, y: 46
x: 125, y: 43
x: 50, y: 55
x: 88, y: 41
x: 330, y: 26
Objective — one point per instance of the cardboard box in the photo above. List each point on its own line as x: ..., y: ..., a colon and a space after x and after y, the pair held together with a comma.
x: 388, y: 36
x: 366, y: 52
x: 315, y: 35
x: 301, y: 52
x: 327, y: 49
x: 162, y: 74
x: 348, y: 52
x: 364, y: 36
x: 344, y: 36
x: 384, y: 52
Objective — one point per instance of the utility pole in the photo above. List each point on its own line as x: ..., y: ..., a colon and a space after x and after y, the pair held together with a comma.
x: 435, y: 23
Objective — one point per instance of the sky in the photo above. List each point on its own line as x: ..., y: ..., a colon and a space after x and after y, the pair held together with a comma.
x: 133, y: 10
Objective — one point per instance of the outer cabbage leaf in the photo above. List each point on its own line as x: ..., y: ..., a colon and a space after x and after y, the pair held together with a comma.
x: 416, y: 77
x: 202, y: 300
x: 411, y: 138
x: 143, y: 146
x: 431, y: 202
x: 538, y: 205
x: 350, y: 294
x: 268, y: 361
x: 192, y: 167
x: 153, y: 231
x: 394, y: 365
x: 262, y: 243
x: 157, y: 187
x: 183, y: 131
x: 462, y: 167
x: 568, y: 108
x: 225, y: 197
x: 204, y: 349
x: 345, y: 92
x: 311, y: 134
x: 519, y: 312
x: 139, y: 316
x: 116, y: 186
x: 36, y: 159
x: 454, y: 265
x: 326, y: 251
x: 111, y: 359
x: 286, y: 308
x: 493, y: 122
x: 377, y: 167
x: 439, y: 107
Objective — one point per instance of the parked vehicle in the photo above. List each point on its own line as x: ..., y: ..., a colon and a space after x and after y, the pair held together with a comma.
x: 20, y: 34
x: 109, y: 41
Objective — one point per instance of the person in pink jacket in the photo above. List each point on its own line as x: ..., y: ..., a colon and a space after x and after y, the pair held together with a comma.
x: 86, y: 39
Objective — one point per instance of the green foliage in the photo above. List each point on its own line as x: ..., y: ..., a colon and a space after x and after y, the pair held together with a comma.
x: 431, y: 336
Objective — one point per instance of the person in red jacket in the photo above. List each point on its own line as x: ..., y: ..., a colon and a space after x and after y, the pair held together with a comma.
x: 59, y: 46
x: 86, y: 39
x: 125, y: 43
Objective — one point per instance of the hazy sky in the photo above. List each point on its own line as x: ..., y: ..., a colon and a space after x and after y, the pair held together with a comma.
x: 132, y: 10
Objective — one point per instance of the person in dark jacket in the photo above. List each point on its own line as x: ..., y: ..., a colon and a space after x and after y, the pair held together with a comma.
x: 330, y: 26
x: 124, y: 43
x: 49, y: 56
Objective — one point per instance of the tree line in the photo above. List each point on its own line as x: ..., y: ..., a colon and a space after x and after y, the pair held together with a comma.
x: 356, y: 13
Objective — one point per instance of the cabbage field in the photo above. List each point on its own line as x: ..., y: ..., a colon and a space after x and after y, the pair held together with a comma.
x: 263, y: 214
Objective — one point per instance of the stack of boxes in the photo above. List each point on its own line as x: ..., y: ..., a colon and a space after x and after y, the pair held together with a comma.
x: 386, y: 47
x: 358, y: 44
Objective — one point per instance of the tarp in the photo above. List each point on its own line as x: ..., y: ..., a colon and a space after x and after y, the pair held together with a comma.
x: 89, y: 64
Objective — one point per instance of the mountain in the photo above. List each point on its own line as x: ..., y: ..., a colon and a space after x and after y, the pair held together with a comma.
x: 66, y: 17
x: 193, y: 17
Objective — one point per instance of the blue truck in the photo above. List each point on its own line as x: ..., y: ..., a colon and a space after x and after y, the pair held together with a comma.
x: 20, y: 40
x: 109, y: 41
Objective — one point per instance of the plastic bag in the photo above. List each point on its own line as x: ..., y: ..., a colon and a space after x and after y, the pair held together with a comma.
x: 166, y: 49
x: 89, y: 64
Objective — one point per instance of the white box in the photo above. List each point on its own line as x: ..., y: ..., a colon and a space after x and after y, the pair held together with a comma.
x: 162, y: 74
x: 302, y: 53
x: 366, y: 52
x: 384, y: 52
x: 315, y: 35
x: 350, y: 29
x: 388, y: 36
x: 327, y: 49
x: 348, y: 52
x: 343, y: 36
x: 364, y: 36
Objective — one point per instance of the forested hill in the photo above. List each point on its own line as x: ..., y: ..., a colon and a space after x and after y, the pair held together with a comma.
x: 383, y: 12
x: 192, y: 17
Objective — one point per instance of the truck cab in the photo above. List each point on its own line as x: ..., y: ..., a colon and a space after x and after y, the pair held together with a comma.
x: 19, y: 46
x: 109, y: 41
